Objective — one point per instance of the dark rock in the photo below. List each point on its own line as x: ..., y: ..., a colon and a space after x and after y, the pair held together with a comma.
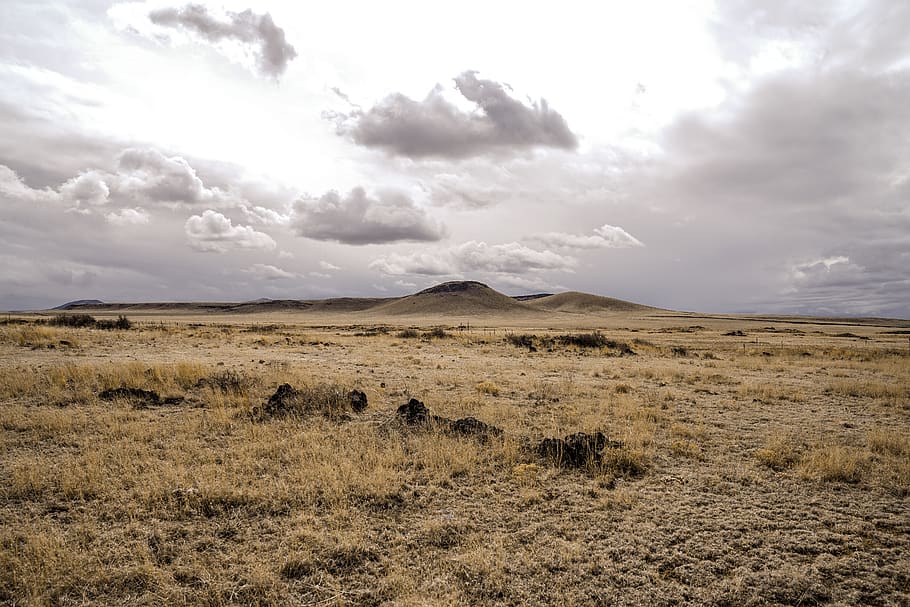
x: 284, y: 399
x: 140, y: 397
x: 358, y: 400
x: 576, y: 450
x: 414, y: 412
x: 470, y: 426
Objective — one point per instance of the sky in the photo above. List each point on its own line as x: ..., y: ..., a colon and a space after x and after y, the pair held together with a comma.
x: 729, y: 156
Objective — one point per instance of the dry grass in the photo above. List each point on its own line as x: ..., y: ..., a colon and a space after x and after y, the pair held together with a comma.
x: 835, y: 463
x: 742, y: 479
x: 781, y: 452
x: 488, y: 387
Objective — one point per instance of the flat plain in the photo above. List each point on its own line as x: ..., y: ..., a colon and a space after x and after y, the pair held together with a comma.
x: 758, y: 460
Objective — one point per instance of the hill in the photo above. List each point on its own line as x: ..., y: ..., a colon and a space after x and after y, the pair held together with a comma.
x: 79, y: 302
x: 457, y: 298
x: 585, y: 303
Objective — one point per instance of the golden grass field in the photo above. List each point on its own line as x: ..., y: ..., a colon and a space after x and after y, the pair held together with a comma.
x: 770, y: 467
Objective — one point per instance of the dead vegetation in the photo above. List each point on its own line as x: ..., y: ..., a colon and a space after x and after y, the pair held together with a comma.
x: 275, y: 464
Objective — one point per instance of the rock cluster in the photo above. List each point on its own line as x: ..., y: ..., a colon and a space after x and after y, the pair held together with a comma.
x: 415, y: 413
x: 577, y: 450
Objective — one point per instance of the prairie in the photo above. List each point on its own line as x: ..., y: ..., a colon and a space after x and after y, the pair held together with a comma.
x: 764, y: 461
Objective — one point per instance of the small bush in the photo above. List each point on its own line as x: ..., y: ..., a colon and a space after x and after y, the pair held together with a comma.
x: 436, y: 333
x: 679, y: 351
x: 72, y: 320
x: 594, y: 339
x: 408, y: 334
x: 122, y: 323
x: 523, y: 340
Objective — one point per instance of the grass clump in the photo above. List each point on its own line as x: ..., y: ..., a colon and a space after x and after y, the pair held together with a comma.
x: 487, y: 387
x: 686, y: 448
x: 780, y: 453
x: 408, y: 334
x: 835, y: 463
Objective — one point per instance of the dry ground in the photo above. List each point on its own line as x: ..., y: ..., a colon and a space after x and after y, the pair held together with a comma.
x: 773, y: 467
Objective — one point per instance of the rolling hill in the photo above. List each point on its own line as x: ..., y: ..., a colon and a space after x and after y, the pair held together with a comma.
x: 456, y: 298
x: 585, y: 303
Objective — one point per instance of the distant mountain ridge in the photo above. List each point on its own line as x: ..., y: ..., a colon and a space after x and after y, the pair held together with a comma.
x: 454, y: 298
x: 79, y: 302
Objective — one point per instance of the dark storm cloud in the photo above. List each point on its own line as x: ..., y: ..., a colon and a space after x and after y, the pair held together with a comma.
x: 273, y: 52
x: 435, y: 127
x: 359, y: 219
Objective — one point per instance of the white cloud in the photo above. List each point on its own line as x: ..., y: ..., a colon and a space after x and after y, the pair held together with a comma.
x: 263, y: 215
x: 12, y: 186
x: 473, y: 257
x: 88, y: 188
x: 604, y: 237
x: 328, y: 266
x: 213, y: 232
x: 149, y: 174
x: 125, y: 217
x: 269, y: 272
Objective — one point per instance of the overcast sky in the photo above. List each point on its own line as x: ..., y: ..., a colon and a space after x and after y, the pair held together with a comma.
x: 730, y: 156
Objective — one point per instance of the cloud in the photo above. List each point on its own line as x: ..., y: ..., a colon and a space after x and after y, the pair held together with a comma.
x: 359, y: 219
x: 213, y: 232
x: 604, y: 237
x: 269, y: 272
x: 149, y: 174
x: 258, y: 33
x: 474, y: 257
x: 13, y: 187
x: 126, y: 217
x: 328, y: 266
x: 435, y: 127
x: 263, y: 215
x: 89, y: 188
